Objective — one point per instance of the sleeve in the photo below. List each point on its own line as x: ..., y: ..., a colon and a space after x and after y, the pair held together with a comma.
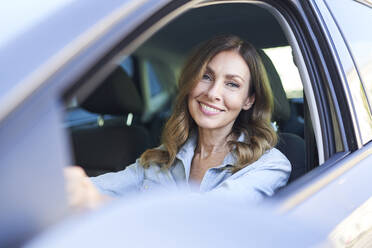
x: 122, y: 183
x: 270, y: 173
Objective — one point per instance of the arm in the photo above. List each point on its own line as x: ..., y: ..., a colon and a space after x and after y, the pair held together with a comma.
x: 81, y: 193
x: 88, y: 193
x: 117, y: 184
x: 267, y: 175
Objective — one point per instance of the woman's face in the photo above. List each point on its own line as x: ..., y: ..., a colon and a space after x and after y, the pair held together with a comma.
x: 217, y: 99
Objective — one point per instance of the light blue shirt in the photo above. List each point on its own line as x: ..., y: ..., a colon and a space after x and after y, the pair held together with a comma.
x: 252, y: 183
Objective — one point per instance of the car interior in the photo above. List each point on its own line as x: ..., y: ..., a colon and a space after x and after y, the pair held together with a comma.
x: 124, y: 115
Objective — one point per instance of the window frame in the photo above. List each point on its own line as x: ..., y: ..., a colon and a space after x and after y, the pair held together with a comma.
x: 355, y: 85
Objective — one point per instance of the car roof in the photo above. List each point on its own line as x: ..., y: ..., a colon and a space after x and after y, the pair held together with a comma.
x: 27, y: 42
x: 252, y: 22
x: 32, y: 40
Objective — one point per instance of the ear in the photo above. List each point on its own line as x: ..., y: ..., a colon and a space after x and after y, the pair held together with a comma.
x: 249, y: 102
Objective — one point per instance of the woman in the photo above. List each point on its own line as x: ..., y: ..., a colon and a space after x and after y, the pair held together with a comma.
x: 219, y: 138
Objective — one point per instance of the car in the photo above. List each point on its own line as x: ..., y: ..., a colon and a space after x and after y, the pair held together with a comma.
x: 92, y: 83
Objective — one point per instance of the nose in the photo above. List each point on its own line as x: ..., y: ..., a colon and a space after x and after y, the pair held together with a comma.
x: 215, y: 91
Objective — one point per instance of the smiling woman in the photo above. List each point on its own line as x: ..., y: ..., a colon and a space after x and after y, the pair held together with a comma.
x: 227, y: 56
x: 218, y: 139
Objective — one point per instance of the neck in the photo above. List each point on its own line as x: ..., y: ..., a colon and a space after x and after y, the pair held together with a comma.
x: 212, y: 141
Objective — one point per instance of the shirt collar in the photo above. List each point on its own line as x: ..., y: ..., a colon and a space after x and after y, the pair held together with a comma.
x: 186, y: 153
x: 230, y: 158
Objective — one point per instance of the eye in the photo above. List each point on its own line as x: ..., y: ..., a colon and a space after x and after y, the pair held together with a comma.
x: 206, y: 77
x: 232, y: 84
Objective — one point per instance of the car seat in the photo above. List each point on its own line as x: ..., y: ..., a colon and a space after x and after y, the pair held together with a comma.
x: 111, y: 145
x: 290, y: 144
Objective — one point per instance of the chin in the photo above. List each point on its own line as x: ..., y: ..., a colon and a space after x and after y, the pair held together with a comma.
x: 209, y: 125
x: 205, y: 124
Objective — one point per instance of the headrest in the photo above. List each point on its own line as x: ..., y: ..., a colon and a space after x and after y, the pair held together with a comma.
x: 282, y: 110
x: 117, y: 95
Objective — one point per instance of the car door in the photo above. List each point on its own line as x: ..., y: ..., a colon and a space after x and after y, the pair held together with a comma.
x: 337, y: 194
x: 44, y: 54
x: 332, y: 126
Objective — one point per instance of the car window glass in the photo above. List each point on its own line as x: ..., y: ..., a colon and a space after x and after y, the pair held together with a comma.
x: 75, y: 115
x: 287, y: 71
x: 353, y: 24
x: 155, y: 86
x: 128, y: 66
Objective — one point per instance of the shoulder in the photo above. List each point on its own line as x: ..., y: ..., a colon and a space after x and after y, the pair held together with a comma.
x: 271, y: 171
x: 273, y: 155
x: 273, y: 159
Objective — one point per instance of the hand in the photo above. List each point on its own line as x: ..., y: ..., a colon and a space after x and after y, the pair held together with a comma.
x: 81, y: 193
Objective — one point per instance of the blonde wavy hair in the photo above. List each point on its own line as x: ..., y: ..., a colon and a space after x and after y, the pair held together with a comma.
x: 254, y: 123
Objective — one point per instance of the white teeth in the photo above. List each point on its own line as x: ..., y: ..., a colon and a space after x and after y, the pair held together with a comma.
x: 210, y: 109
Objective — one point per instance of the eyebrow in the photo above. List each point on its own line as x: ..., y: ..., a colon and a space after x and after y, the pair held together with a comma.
x: 210, y: 70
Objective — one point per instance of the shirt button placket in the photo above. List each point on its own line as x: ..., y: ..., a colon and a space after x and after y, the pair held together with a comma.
x: 204, y: 185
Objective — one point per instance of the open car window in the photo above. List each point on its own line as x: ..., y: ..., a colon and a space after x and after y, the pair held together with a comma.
x: 127, y: 119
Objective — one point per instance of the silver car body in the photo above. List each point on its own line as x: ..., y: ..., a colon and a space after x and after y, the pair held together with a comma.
x: 44, y: 54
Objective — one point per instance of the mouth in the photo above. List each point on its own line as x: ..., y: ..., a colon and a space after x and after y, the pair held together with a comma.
x: 209, y: 109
